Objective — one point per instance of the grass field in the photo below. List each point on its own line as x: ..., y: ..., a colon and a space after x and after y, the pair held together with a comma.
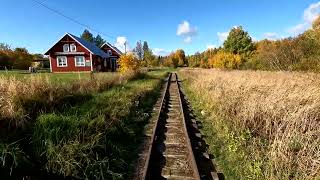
x: 54, y: 77
x: 259, y: 124
x: 91, y: 129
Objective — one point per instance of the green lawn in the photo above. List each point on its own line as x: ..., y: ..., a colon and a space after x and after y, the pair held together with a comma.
x: 53, y: 77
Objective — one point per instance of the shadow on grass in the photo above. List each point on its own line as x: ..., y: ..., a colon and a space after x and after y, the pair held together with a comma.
x: 96, y: 143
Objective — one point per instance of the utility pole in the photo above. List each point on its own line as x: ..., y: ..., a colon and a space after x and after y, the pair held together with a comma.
x: 125, y: 47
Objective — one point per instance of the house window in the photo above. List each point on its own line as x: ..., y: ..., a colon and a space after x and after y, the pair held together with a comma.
x: 109, y: 52
x: 80, y: 61
x: 66, y: 48
x: 62, y: 61
x: 73, y: 48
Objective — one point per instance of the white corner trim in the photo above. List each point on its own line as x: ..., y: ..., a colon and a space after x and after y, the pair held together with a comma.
x: 50, y: 63
x: 91, y: 62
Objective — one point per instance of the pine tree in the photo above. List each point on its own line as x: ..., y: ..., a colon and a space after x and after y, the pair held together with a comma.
x: 87, y: 35
x: 99, y: 41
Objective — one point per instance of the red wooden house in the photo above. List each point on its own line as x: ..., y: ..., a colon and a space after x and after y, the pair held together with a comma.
x: 71, y: 54
x: 113, y: 53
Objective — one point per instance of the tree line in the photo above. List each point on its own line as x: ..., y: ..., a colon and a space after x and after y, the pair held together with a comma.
x: 18, y: 58
x: 301, y: 53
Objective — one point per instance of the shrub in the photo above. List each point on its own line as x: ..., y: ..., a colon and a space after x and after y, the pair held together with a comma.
x: 225, y: 60
x: 129, y: 63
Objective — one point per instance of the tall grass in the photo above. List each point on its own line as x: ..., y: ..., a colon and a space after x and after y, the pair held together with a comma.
x: 261, y: 125
x: 22, y: 99
x: 88, y: 129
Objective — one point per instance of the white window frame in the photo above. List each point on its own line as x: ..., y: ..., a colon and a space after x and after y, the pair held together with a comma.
x: 79, y: 65
x: 73, y: 46
x: 66, y: 46
x: 58, y: 64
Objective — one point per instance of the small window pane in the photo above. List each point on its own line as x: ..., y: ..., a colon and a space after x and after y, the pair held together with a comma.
x: 73, y: 48
x: 80, y: 61
x: 66, y: 48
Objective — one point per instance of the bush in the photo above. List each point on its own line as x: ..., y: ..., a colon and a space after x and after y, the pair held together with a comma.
x: 225, y: 60
x: 129, y: 63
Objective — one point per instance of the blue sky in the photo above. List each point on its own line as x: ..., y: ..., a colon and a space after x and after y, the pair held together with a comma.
x: 193, y: 25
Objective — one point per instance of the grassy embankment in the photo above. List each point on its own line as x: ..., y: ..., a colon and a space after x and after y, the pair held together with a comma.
x: 85, y: 129
x: 259, y: 125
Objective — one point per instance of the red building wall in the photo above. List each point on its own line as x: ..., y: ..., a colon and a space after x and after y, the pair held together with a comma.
x: 114, y: 53
x: 70, y: 58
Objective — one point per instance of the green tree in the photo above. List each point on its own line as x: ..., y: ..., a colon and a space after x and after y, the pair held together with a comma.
x: 99, y: 41
x: 238, y: 41
x: 87, y: 35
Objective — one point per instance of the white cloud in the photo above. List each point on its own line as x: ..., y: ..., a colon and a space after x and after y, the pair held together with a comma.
x: 270, y: 35
x: 121, y: 43
x: 309, y: 15
x: 312, y: 12
x: 222, y: 36
x: 160, y: 52
x: 211, y: 46
x: 187, y: 31
x: 187, y: 39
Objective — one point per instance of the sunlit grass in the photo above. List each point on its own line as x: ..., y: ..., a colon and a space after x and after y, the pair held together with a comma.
x: 259, y: 124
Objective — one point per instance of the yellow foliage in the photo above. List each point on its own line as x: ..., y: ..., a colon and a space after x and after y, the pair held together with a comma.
x: 225, y: 60
x: 129, y: 63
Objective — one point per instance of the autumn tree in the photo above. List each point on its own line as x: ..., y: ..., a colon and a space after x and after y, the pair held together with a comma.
x: 129, y: 63
x: 238, y: 41
x: 21, y: 58
x: 194, y: 60
x: 5, y: 61
x: 181, y: 57
x: 225, y: 60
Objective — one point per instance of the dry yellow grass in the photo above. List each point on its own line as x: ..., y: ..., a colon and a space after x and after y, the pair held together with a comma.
x: 21, y: 97
x: 282, y: 107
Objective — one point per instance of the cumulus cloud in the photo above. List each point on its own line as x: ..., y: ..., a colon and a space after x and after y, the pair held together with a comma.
x: 187, y: 31
x: 270, y: 35
x: 121, y: 42
x: 222, y: 36
x: 211, y: 46
x: 309, y: 15
x: 160, y: 52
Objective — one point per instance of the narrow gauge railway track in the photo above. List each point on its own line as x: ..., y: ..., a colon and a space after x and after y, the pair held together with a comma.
x: 171, y: 155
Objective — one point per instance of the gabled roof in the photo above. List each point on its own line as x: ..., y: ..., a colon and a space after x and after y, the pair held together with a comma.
x: 112, y: 47
x: 88, y: 45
